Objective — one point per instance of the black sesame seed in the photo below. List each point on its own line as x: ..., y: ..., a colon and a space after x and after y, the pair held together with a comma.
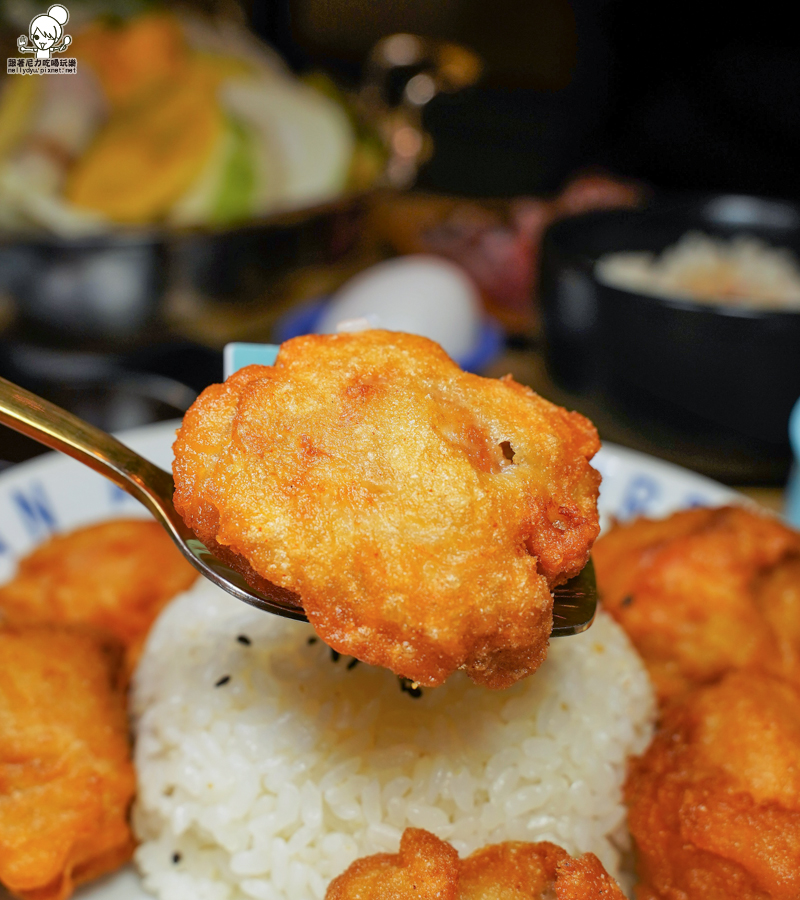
x: 176, y: 858
x: 244, y: 639
x: 335, y: 656
x: 626, y: 601
x: 224, y: 680
x: 312, y: 640
x: 352, y: 664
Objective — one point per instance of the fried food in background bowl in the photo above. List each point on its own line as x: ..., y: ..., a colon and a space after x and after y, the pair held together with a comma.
x: 171, y: 119
x: 429, y: 868
x: 114, y: 577
x: 421, y: 514
x: 714, y: 803
x: 66, y: 778
x: 704, y: 592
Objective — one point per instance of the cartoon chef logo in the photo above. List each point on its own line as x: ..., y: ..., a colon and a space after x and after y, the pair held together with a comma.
x: 46, y: 34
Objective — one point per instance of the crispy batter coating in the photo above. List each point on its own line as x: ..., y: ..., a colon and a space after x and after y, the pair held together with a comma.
x: 66, y: 779
x: 585, y: 878
x: 714, y: 804
x: 520, y: 871
x: 422, y: 514
x: 778, y: 599
x: 510, y: 871
x: 427, y: 867
x: 115, y: 577
x: 704, y: 592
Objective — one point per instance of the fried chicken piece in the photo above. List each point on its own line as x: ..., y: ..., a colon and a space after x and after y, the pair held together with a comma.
x: 511, y: 871
x: 704, y: 592
x: 521, y: 871
x: 66, y: 778
x: 421, y: 513
x: 427, y: 867
x: 778, y: 600
x: 714, y: 803
x: 115, y: 577
x: 585, y: 878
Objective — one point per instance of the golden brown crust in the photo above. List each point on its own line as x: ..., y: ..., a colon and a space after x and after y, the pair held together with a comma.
x: 778, y: 600
x: 714, y: 804
x: 704, y: 592
x: 66, y: 779
x: 585, y: 878
x: 427, y: 867
x: 371, y: 476
x: 511, y: 871
x: 115, y: 577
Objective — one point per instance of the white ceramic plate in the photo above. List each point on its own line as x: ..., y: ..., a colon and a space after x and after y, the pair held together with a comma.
x: 54, y: 494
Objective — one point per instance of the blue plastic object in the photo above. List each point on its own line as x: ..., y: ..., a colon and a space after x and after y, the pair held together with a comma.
x: 237, y: 356
x: 793, y: 489
x: 303, y: 319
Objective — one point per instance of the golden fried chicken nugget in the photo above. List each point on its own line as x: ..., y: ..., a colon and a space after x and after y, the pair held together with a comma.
x: 421, y: 513
x: 585, y: 878
x: 522, y: 871
x: 778, y: 599
x: 429, y: 867
x: 116, y: 577
x: 714, y: 803
x: 703, y: 592
x: 425, y: 869
x: 511, y: 871
x: 66, y: 778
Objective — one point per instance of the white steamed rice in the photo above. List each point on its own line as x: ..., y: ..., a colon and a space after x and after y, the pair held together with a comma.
x: 742, y: 271
x: 270, y: 784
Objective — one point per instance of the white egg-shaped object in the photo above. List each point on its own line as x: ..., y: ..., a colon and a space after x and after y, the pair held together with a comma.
x: 419, y: 294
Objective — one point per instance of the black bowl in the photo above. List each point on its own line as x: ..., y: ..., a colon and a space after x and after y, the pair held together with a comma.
x: 717, y: 381
x: 115, y: 290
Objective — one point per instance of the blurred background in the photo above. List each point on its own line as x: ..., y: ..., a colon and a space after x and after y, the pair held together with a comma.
x: 221, y: 171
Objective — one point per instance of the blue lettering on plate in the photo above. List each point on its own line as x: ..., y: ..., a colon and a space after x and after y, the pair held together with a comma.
x: 640, y: 494
x: 4, y: 548
x: 35, y: 510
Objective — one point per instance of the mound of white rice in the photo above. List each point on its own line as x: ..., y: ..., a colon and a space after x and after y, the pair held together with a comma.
x: 265, y: 767
x: 742, y: 271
